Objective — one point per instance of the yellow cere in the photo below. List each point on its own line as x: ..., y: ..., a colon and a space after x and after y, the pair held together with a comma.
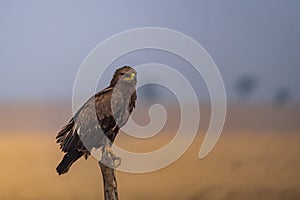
x: 132, y: 76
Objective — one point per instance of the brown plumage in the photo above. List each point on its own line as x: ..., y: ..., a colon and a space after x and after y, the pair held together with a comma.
x: 104, y: 113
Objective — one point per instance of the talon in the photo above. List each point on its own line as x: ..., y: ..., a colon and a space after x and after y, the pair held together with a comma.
x: 109, y: 155
x: 117, y: 161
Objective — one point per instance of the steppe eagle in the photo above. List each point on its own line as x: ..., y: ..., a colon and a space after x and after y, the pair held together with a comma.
x: 102, y: 115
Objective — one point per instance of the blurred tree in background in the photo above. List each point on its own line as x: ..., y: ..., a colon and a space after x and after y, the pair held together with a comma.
x: 282, y: 96
x: 245, y: 86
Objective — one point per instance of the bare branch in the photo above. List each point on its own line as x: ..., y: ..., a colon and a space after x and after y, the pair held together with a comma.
x: 109, y: 177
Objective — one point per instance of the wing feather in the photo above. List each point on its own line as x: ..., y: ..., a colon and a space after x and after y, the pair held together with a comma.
x: 86, y: 129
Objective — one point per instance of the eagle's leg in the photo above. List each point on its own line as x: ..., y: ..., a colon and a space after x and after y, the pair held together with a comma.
x: 116, y: 161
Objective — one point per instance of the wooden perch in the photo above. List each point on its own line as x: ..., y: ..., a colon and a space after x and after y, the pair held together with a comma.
x: 109, y: 177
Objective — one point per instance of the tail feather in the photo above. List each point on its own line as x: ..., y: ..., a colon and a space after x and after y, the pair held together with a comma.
x: 65, y: 130
x: 67, y: 161
x: 68, y: 138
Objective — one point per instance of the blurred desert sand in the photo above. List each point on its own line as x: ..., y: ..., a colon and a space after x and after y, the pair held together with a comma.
x: 248, y: 162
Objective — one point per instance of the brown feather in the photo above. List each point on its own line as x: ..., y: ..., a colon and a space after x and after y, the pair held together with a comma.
x: 95, y: 118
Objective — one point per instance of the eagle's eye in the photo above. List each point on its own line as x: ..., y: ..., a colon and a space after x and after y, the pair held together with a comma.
x: 129, y: 77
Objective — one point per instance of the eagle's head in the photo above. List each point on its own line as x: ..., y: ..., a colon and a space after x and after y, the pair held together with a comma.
x: 124, y: 75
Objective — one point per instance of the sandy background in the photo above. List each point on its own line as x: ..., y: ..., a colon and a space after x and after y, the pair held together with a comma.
x: 250, y: 161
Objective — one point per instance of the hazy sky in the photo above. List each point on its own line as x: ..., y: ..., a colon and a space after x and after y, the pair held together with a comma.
x: 43, y: 43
